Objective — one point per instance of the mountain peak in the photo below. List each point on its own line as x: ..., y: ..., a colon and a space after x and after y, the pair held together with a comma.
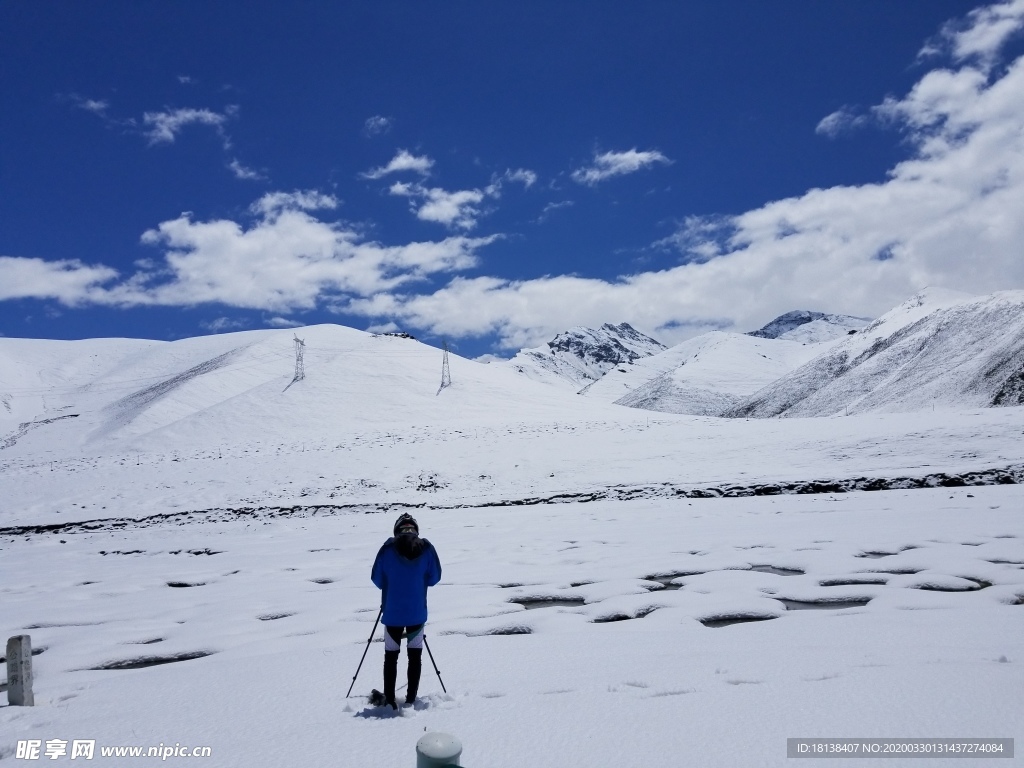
x: 808, y: 326
x: 582, y: 355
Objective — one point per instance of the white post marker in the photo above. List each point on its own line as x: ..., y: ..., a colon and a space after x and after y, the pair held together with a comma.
x: 19, y: 671
x: 435, y: 750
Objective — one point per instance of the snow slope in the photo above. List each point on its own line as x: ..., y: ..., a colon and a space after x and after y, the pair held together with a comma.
x: 940, y: 349
x: 141, y: 396
x: 580, y: 355
x: 703, y: 375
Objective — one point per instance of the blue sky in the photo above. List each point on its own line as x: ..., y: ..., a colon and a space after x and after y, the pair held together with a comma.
x: 495, y: 172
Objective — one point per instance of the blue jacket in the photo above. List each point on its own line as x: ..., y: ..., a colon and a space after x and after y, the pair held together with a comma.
x: 403, y: 582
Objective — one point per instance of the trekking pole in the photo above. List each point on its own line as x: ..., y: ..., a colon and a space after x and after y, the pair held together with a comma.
x: 379, y: 613
x: 434, y: 663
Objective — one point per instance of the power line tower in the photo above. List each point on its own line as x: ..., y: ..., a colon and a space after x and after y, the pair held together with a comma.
x: 300, y: 368
x: 446, y: 374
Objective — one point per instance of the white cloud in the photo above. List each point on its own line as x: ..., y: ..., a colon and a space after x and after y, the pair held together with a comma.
x: 244, y: 172
x: 223, y: 324
x: 610, y: 164
x: 456, y: 210
x: 69, y: 281
x: 700, y: 238
x: 273, y: 203
x: 287, y: 260
x: 383, y: 328
x: 526, y: 177
x: 980, y: 35
x: 552, y: 207
x: 376, y: 125
x: 185, y: 80
x: 951, y: 215
x: 401, y: 162
x: 96, y: 106
x: 164, y: 127
x: 282, y: 322
x: 841, y: 121
x: 284, y: 261
x: 529, y: 312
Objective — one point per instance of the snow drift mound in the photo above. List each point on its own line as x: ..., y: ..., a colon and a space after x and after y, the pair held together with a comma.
x: 580, y: 355
x: 939, y: 349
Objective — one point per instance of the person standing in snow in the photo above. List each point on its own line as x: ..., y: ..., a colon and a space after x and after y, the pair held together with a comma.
x: 405, y: 567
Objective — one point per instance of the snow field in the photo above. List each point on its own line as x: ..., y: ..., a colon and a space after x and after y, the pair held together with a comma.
x: 478, y: 461
x: 284, y: 608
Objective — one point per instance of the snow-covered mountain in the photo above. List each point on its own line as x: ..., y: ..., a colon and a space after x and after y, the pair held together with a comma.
x: 581, y: 355
x: 810, y: 327
x: 703, y: 375
x: 70, y: 395
x: 939, y: 349
x: 710, y: 373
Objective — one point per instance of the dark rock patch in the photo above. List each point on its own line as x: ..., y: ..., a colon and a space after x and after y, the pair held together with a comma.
x: 626, y: 617
x: 775, y: 570
x: 666, y: 579
x: 322, y: 581
x: 823, y: 605
x: 851, y: 582
x: 612, y: 617
x: 274, y: 616
x: 978, y: 585
x: 151, y: 661
x: 726, y: 620
x: 549, y: 602
x: 185, y: 584
x: 510, y: 631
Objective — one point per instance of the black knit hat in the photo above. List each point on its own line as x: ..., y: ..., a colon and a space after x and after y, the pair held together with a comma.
x: 405, y: 523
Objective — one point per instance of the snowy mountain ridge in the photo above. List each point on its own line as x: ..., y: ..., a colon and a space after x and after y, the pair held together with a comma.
x: 701, y: 376
x: 938, y: 349
x: 810, y: 327
x: 580, y: 356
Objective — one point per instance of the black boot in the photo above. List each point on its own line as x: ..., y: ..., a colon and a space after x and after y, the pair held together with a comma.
x: 390, y: 675
x: 415, y: 658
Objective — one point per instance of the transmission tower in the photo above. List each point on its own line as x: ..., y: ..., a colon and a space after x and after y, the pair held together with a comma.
x: 446, y: 374
x: 300, y: 369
